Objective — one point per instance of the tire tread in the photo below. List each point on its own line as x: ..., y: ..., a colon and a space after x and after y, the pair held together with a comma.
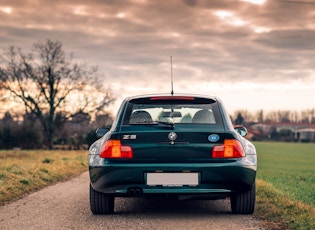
x: 244, y: 203
x: 101, y: 203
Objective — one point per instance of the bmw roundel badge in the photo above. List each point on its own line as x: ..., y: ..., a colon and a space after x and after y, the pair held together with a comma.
x: 172, y: 136
x: 213, y: 137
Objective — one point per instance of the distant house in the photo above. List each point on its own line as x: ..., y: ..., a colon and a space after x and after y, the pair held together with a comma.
x: 254, y: 134
x: 305, y: 135
x: 298, y: 132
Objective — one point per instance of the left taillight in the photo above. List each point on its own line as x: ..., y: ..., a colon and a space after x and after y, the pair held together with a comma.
x: 114, y: 149
x: 229, y: 149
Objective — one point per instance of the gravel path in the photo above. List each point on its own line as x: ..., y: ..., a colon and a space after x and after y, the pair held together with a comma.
x: 66, y: 206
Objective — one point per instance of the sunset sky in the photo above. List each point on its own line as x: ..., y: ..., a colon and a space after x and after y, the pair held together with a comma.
x: 252, y: 54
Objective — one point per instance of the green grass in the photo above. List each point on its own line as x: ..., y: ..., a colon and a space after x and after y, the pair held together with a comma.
x: 22, y: 172
x: 286, y: 183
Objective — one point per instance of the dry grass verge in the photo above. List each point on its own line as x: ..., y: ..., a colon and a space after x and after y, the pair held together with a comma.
x: 22, y: 172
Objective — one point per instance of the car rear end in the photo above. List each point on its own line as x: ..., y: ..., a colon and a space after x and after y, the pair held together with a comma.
x: 172, y: 145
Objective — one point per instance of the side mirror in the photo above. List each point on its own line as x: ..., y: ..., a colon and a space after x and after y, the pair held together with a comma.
x: 100, y: 132
x: 241, y: 130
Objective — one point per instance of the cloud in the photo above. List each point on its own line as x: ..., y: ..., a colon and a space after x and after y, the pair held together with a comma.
x: 213, y: 43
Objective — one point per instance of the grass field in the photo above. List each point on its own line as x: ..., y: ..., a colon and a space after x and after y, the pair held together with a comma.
x: 286, y: 183
x: 23, y: 172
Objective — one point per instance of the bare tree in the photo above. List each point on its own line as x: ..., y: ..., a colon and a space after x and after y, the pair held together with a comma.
x: 260, y: 115
x: 47, y: 83
x: 242, y: 116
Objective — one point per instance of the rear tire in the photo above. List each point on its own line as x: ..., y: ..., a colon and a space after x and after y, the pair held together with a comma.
x: 101, y: 203
x: 244, y: 203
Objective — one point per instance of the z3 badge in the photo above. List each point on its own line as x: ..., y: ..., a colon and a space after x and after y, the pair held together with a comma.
x: 213, y: 137
x: 130, y: 137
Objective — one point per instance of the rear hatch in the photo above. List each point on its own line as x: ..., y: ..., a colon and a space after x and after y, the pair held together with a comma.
x: 171, y: 128
x: 181, y: 144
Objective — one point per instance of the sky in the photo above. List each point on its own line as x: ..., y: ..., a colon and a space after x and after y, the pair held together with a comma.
x: 252, y: 54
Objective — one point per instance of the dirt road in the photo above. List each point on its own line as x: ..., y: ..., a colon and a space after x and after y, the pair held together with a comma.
x: 66, y: 206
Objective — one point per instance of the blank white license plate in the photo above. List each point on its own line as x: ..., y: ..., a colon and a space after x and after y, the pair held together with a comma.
x: 172, y: 179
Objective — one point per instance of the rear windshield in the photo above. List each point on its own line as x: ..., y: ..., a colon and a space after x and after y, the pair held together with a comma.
x: 197, y: 111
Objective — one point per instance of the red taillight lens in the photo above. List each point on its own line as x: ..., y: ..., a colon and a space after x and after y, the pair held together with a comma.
x: 114, y: 149
x: 230, y: 149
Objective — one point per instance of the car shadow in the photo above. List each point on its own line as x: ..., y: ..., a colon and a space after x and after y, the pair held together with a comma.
x: 171, y: 207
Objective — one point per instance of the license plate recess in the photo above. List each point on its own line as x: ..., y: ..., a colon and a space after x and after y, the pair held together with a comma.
x: 172, y: 179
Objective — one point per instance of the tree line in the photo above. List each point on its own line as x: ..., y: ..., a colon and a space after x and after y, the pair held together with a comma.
x: 75, y: 133
x: 78, y: 132
x: 279, y: 116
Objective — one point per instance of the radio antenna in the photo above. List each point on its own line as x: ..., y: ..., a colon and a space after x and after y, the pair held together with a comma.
x: 172, y: 92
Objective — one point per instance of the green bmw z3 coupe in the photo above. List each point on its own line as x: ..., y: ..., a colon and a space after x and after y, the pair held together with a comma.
x: 174, y: 146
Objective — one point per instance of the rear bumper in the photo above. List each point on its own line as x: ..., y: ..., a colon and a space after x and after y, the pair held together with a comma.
x: 216, y: 179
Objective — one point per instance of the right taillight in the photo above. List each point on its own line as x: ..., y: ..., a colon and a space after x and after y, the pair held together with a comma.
x: 229, y: 149
x: 114, y: 149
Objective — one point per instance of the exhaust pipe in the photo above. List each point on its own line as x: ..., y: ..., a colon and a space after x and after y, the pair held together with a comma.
x: 131, y: 192
x: 135, y: 192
